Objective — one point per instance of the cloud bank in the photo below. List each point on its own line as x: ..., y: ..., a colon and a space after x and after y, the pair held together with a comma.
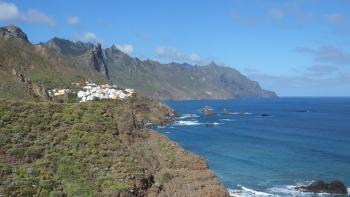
x: 9, y: 12
x: 89, y: 37
x: 174, y: 54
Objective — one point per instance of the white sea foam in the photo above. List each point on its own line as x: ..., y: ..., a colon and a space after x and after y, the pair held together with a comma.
x: 285, y: 190
x: 276, y: 191
x: 186, y: 116
x: 187, y: 122
x: 255, y: 193
x: 241, y: 113
x: 247, y: 192
x: 228, y: 120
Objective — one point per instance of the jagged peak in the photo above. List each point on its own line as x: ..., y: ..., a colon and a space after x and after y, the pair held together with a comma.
x: 12, y: 31
x: 68, y: 47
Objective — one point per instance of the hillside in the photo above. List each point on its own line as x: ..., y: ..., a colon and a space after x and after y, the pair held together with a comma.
x: 59, y: 62
x: 28, y: 70
x: 95, y: 149
x: 168, y: 81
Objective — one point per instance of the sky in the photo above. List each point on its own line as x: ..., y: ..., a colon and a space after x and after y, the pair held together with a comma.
x: 293, y: 47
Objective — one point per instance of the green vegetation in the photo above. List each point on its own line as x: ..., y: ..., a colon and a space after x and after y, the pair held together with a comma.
x: 55, y: 149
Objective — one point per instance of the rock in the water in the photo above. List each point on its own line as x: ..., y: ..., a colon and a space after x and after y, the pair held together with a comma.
x: 334, y: 187
x: 264, y: 115
x: 207, y: 111
x: 302, y: 111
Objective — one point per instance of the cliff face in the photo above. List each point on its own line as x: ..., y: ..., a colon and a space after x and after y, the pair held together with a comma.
x: 96, y: 149
x: 96, y: 60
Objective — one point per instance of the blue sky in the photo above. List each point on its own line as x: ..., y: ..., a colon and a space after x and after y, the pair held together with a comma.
x: 296, y: 48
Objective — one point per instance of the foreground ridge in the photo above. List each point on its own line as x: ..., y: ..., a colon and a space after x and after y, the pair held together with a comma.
x: 99, y: 148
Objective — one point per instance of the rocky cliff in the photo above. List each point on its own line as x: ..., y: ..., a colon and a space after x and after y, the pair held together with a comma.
x: 12, y: 32
x: 96, y: 149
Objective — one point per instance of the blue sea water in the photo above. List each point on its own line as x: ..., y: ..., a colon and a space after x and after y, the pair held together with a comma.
x: 301, y: 139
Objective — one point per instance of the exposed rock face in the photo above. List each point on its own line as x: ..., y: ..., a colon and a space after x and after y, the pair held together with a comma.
x: 8, y: 32
x: 67, y: 47
x: 97, y: 60
x: 33, y: 88
x: 334, y: 187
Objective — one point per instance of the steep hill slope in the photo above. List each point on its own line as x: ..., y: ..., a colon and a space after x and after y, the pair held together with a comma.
x: 96, y: 149
x: 25, y: 68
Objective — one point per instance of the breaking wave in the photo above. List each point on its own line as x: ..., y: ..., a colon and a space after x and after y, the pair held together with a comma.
x: 187, y: 122
x: 247, y: 192
x: 186, y: 116
x: 227, y: 120
x: 276, y: 191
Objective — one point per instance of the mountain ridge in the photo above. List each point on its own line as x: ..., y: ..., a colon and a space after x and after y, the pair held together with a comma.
x: 68, y: 61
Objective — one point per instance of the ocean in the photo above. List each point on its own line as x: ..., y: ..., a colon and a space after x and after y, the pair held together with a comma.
x: 297, y: 140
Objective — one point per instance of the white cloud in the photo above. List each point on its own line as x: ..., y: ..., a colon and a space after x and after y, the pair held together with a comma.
x: 89, y: 37
x: 37, y: 17
x: 126, y: 48
x: 73, y: 20
x: 194, y: 57
x: 173, y: 54
x: 8, y: 11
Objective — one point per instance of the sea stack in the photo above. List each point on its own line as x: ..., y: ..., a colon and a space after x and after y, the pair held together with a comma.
x: 208, y: 111
x: 319, y: 186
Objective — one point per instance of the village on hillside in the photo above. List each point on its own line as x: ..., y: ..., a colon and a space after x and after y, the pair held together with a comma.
x: 92, y: 91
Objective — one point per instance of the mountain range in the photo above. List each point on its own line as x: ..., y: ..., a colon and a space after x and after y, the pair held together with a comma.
x: 29, y: 70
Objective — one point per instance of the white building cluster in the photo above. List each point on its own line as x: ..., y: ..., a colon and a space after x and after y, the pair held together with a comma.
x: 92, y: 91
x: 58, y: 92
